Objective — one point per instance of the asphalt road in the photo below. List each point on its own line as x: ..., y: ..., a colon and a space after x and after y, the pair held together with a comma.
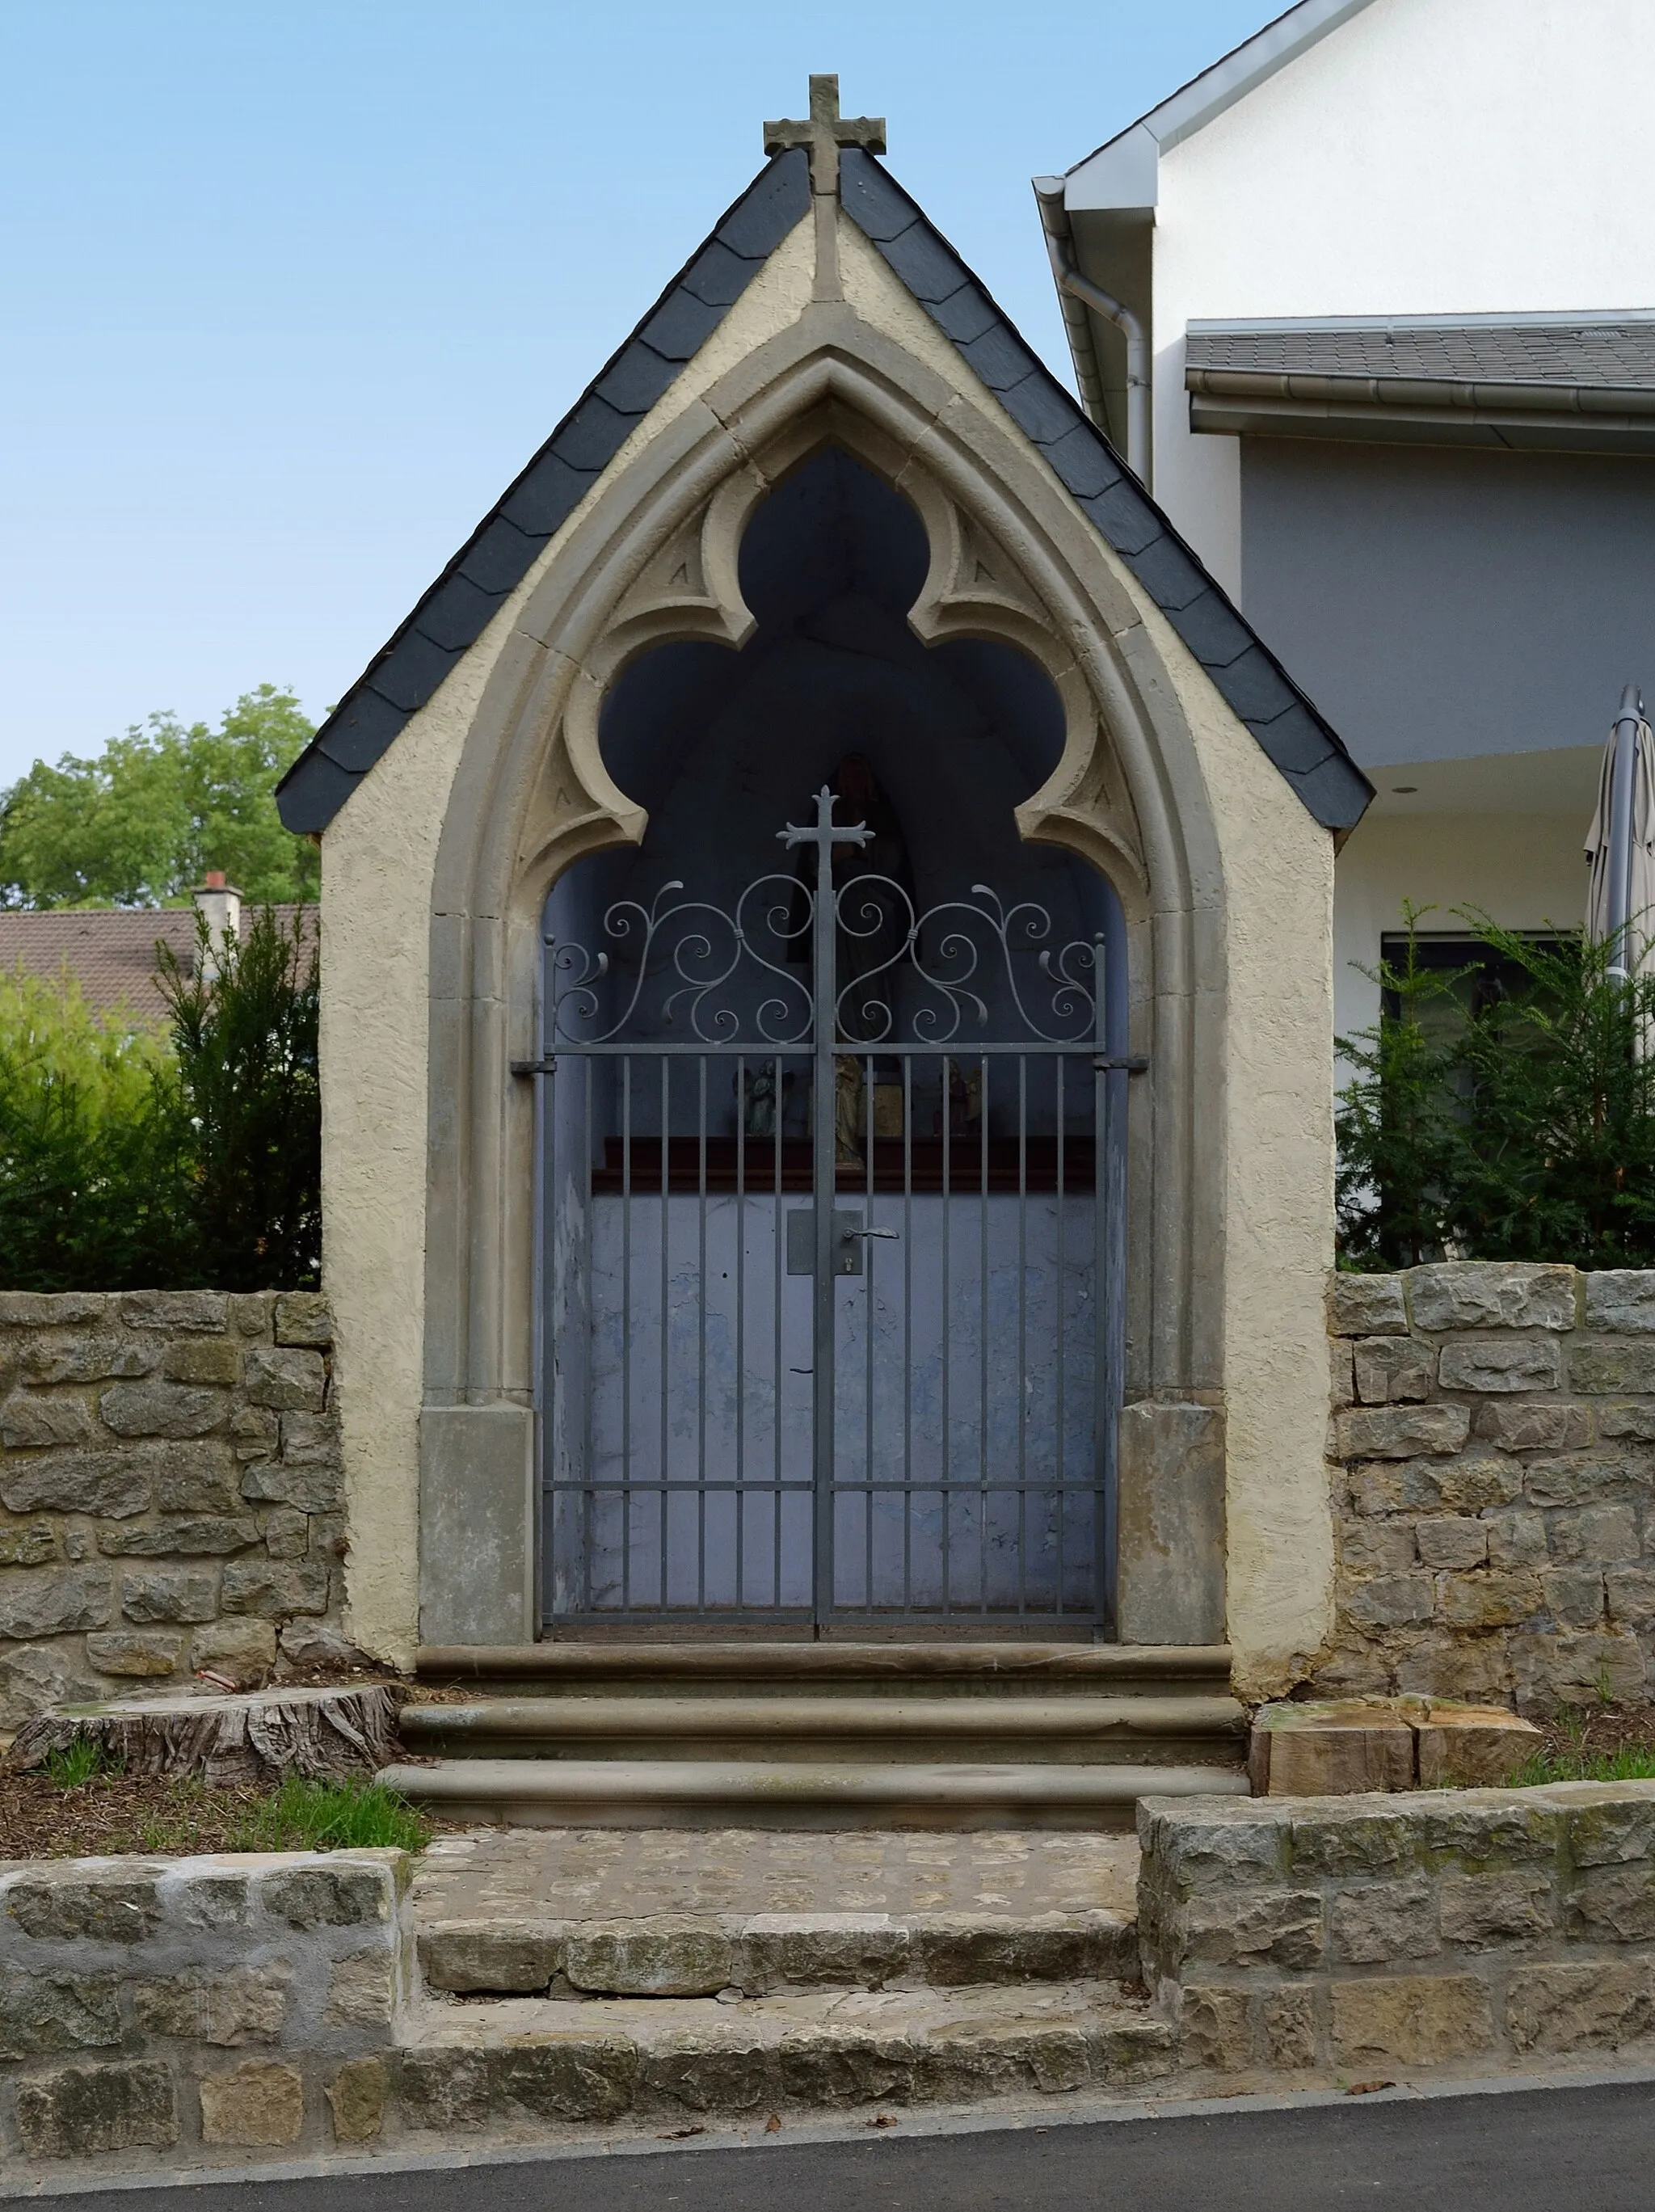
x: 1554, y: 2150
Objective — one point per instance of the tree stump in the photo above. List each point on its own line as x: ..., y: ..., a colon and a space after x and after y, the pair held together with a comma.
x: 259, y: 1736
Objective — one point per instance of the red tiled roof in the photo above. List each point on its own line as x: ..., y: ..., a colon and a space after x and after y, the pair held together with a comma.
x: 111, y: 950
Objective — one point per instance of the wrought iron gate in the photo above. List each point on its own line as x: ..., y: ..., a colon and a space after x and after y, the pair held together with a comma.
x: 829, y: 1242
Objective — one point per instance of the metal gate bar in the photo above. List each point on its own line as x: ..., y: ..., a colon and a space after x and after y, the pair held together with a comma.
x: 654, y: 1502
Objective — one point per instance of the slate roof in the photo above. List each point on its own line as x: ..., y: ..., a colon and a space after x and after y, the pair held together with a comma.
x: 1607, y: 356
x: 453, y: 613
x: 111, y: 950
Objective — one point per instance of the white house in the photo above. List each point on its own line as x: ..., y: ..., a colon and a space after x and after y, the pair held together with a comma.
x: 1392, y: 263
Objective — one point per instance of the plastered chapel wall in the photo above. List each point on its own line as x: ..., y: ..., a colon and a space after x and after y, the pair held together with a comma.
x: 1274, y: 908
x: 379, y: 858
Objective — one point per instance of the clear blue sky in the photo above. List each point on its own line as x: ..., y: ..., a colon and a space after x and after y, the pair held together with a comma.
x: 292, y: 288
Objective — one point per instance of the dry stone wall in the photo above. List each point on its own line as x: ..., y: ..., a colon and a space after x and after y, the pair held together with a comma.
x: 1447, y: 1930
x: 171, y: 1489
x: 235, y: 2000
x: 1493, y: 1477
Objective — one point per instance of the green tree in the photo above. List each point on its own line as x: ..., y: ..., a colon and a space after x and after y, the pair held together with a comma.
x: 142, y: 823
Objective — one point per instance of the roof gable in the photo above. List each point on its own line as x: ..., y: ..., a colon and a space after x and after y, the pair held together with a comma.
x: 1123, y: 171
x: 453, y: 613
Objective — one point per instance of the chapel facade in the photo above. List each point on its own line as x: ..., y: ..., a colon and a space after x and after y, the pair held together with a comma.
x: 826, y: 1008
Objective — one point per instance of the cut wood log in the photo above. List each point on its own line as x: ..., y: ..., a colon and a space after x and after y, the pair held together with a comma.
x: 259, y: 1736
x: 1327, y: 1750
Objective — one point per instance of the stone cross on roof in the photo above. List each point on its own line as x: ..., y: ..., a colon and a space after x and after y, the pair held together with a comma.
x: 826, y: 131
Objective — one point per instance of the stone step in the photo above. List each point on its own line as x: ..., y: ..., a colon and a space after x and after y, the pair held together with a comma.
x: 757, y: 1667
x: 516, y: 2065
x: 684, y: 1954
x: 1074, y: 1729
x: 733, y: 1793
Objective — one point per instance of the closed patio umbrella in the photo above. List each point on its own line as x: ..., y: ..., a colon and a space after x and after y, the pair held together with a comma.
x: 1621, y: 844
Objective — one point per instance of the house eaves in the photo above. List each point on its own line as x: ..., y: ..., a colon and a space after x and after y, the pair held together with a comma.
x: 1123, y: 172
x: 1546, y: 383
x: 1285, y: 724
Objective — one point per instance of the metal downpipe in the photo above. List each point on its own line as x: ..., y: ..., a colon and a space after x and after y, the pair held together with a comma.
x: 1069, y: 279
x: 1622, y: 786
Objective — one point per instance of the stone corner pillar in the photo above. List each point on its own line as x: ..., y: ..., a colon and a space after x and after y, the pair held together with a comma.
x: 477, y: 1525
x: 1171, y: 1572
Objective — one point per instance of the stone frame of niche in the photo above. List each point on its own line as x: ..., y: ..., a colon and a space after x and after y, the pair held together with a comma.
x: 654, y: 562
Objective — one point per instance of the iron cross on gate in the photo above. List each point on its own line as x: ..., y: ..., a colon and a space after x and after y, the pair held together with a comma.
x: 825, y: 132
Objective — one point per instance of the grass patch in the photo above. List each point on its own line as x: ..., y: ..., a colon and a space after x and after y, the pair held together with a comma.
x: 72, y: 1766
x: 1606, y: 1742
x: 332, y: 1816
x: 1635, y: 1763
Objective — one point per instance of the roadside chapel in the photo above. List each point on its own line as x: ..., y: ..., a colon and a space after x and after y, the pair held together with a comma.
x: 827, y: 988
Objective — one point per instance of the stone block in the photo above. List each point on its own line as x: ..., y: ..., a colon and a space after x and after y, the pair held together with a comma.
x: 1488, y: 1911
x: 311, y: 1439
x: 860, y: 1950
x: 1606, y: 1365
x: 77, y: 2111
x: 1517, y: 1537
x: 1367, y: 1305
x: 286, y: 1381
x: 1341, y: 1374
x: 1525, y: 1426
x: 1579, y: 1481
x: 1375, y: 1547
x: 1497, y: 1597
x: 31, y: 1545
x: 302, y: 1318
x: 215, y: 1902
x: 1590, y: 2007
x: 1329, y: 1750
x: 206, y: 1310
x: 255, y: 1432
x: 163, y: 1409
x: 1388, y: 1600
x: 1370, y: 1923
x: 56, y: 2011
x: 1575, y: 1595
x: 362, y: 1990
x: 1622, y: 1300
x: 1609, y: 1824
x: 669, y: 1955
x: 1635, y: 1421
x: 837, y: 2066
x: 568, y: 2076
x: 52, y: 1600
x: 169, y: 1594
x: 1467, y: 1294
x: 134, y: 1654
x: 196, y: 1536
x: 1501, y: 1364
x: 1254, y: 1928
x: 251, y: 1312
x: 1414, y: 2020
x: 1172, y: 1523
x: 1630, y: 1592
x: 287, y: 1533
x: 199, y: 1477
x: 103, y: 1482
x: 33, y: 1676
x: 1452, y: 1540
x: 214, y: 1360
x: 114, y: 1907
x: 1196, y: 1851
x: 1287, y: 2019
x: 1400, y: 1431
x: 304, y: 1489
x: 710, y: 2072
x: 1466, y: 1484
x: 319, y: 1644
x: 443, y: 2087
x: 50, y: 1308
x: 1370, y: 1836
x: 259, y: 2105
x: 1597, y: 1536
x: 339, y: 1894
x: 244, y: 1648
x: 356, y: 2097
x: 276, y: 1589
x: 1575, y: 1667
x: 1216, y: 2027
x: 99, y: 1355
x: 1472, y: 1749
x: 1614, y: 1903
x: 1447, y: 1663
x: 228, y: 2006
x: 1393, y: 1370
x: 32, y: 1420
x: 482, y: 1956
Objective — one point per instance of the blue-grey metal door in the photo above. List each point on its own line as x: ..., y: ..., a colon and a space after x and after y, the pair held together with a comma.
x: 830, y: 1229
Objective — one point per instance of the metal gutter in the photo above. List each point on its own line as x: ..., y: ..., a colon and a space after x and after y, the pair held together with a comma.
x: 1070, y: 282
x: 1266, y: 403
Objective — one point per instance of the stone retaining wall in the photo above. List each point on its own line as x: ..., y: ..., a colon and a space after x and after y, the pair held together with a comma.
x: 235, y: 2000
x: 1451, y: 1930
x: 171, y: 1493
x: 1492, y: 1481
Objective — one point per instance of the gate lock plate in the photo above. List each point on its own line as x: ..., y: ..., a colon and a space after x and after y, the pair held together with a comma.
x: 848, y: 1237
